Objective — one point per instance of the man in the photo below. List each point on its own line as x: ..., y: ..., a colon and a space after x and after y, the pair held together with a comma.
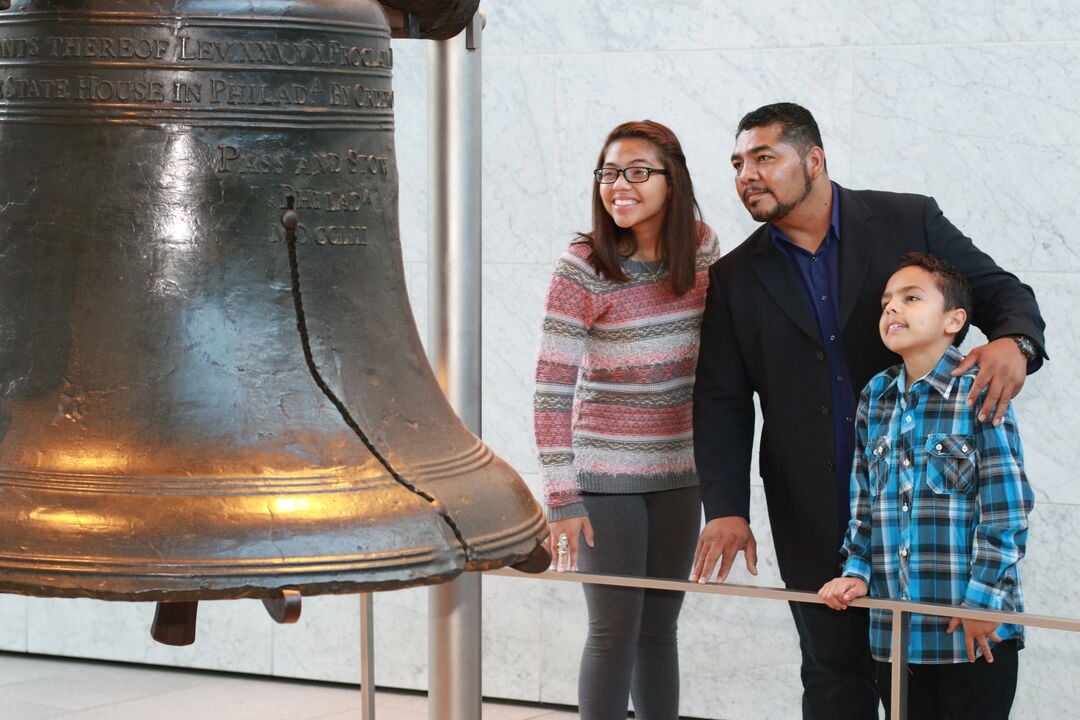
x: 792, y: 314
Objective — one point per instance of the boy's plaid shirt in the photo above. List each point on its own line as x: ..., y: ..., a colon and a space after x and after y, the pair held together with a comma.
x: 939, y: 506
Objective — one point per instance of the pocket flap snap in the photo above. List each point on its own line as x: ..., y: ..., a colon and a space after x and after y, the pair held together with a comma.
x: 954, y: 446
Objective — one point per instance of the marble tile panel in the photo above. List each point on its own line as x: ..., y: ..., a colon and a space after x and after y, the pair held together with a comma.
x: 563, y: 621
x: 409, y: 49
x: 411, y: 146
x: 1051, y: 583
x: 532, y: 481
x: 401, y: 639
x: 739, y: 658
x: 519, y: 137
x: 232, y: 635
x: 324, y: 644
x: 551, y: 27
x: 989, y: 131
x: 1046, y: 407
x: 971, y: 21
x: 1051, y: 659
x: 701, y: 96
x: 13, y: 622
x: 1049, y: 666
x: 416, y: 281
x: 548, y: 27
x: 791, y: 23
x: 512, y: 641
x: 513, y: 299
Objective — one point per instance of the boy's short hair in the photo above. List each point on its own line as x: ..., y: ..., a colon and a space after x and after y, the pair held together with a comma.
x: 953, y: 285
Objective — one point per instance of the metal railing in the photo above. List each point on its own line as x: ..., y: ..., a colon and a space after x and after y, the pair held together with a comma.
x: 901, y: 609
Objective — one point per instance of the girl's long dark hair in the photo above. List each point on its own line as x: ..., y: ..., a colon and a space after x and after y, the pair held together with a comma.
x: 678, y: 236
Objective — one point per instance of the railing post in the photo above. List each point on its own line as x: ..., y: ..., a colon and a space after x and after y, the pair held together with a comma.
x: 367, y: 657
x: 901, y: 631
x: 454, y: 218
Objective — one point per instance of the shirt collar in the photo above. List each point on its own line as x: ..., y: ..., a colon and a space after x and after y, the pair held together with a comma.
x: 940, y: 378
x: 832, y: 236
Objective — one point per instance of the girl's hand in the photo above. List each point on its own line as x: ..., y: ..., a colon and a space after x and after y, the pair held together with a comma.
x: 564, y: 556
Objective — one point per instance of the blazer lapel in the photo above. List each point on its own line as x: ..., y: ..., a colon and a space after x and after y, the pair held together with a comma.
x: 774, y: 271
x: 858, y: 237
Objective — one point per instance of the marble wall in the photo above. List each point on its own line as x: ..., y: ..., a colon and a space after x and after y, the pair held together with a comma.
x: 975, y: 102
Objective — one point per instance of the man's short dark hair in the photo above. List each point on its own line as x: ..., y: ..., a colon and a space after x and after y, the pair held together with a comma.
x: 952, y: 284
x: 800, y: 130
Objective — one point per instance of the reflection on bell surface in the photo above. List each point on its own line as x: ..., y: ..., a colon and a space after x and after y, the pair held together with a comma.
x: 165, y: 432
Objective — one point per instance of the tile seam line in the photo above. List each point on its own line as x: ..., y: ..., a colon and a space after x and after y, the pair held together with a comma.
x: 794, y: 48
x: 549, y: 265
x: 503, y: 263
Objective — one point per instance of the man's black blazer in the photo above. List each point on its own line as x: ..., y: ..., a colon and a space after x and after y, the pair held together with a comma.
x: 759, y: 335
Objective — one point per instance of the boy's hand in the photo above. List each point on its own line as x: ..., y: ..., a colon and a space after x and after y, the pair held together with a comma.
x: 976, y: 631
x: 839, y: 593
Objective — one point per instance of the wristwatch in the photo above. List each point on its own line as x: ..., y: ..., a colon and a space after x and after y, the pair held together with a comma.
x: 1027, y: 348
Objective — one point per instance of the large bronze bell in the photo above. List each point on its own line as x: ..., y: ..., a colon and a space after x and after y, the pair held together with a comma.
x: 195, y: 401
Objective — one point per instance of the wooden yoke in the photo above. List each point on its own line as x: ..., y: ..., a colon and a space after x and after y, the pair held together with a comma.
x: 428, y: 19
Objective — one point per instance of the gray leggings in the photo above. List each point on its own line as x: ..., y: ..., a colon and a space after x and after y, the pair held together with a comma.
x: 632, y: 648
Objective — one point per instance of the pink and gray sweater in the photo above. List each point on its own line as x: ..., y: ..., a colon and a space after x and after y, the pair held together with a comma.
x: 614, y: 379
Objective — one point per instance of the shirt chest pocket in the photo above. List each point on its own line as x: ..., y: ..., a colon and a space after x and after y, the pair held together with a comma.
x: 877, y: 463
x: 950, y: 466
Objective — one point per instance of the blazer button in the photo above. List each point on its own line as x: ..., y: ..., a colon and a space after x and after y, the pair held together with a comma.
x: 830, y: 466
x: 824, y: 410
x: 820, y: 354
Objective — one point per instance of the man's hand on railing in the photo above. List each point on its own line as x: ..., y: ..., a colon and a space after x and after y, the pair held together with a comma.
x: 981, y: 631
x: 839, y: 592
x: 721, y: 540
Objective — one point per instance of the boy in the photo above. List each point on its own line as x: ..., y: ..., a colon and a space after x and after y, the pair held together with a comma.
x: 939, y: 506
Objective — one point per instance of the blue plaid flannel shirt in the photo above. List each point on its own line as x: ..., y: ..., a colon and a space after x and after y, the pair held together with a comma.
x: 939, y: 506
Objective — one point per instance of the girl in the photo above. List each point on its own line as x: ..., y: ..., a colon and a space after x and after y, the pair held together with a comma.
x: 613, y: 415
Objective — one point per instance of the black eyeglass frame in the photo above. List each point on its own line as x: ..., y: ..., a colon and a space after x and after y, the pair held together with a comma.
x: 598, y: 173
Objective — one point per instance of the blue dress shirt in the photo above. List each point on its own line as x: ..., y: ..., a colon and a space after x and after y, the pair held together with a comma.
x: 819, y: 278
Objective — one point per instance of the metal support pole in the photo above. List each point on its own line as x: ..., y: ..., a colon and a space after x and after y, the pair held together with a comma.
x: 454, y: 147
x: 367, y: 657
x: 901, y: 631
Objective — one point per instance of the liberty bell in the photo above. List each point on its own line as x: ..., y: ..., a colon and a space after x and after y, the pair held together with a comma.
x: 211, y: 384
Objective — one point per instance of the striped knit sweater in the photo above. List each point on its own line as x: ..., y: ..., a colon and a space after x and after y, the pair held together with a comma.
x: 614, y: 379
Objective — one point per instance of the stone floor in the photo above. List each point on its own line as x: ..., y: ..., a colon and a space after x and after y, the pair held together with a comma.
x: 36, y: 686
